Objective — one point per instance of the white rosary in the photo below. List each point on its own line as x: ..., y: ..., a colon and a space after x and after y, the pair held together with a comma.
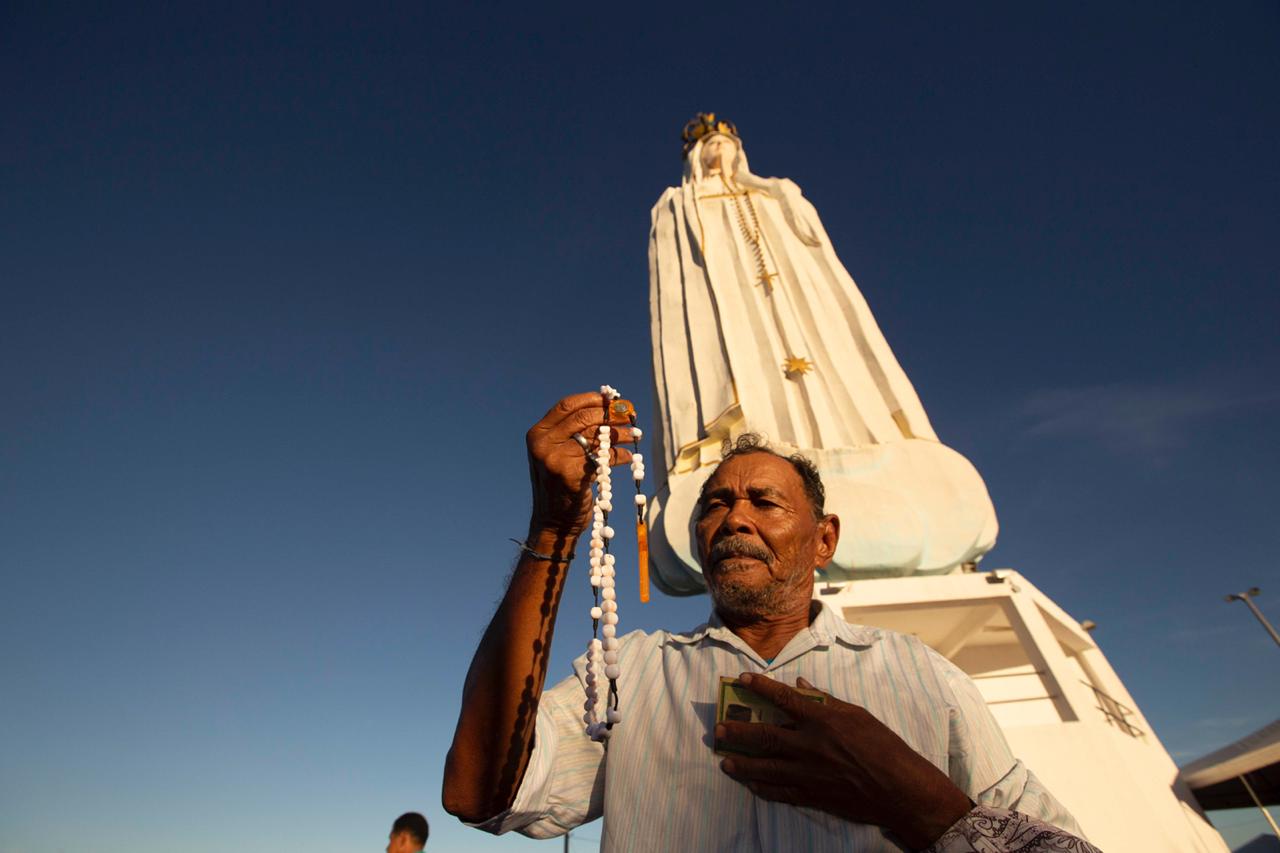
x: 605, y: 610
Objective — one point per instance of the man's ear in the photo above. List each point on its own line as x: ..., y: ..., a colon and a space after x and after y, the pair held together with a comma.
x: 828, y: 538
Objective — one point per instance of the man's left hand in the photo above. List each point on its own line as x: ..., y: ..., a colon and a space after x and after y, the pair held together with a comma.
x: 839, y: 758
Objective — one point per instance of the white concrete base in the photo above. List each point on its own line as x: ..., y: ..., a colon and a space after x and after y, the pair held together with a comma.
x: 1064, y: 710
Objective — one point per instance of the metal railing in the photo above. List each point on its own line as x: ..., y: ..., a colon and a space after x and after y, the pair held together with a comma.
x: 1115, y: 713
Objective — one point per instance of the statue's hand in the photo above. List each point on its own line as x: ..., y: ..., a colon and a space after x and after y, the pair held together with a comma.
x: 560, y: 469
x: 799, y: 213
x: 841, y: 759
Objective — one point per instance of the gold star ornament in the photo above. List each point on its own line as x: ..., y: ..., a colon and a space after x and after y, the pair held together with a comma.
x: 795, y: 366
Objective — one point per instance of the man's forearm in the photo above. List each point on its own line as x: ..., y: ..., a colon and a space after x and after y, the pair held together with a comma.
x: 494, y: 737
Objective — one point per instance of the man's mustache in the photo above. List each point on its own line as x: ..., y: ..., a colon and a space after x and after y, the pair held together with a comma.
x: 739, y: 546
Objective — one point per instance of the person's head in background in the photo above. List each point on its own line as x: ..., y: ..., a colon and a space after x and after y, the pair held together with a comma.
x: 408, y: 834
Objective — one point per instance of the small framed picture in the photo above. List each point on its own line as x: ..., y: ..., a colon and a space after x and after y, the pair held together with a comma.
x: 739, y: 705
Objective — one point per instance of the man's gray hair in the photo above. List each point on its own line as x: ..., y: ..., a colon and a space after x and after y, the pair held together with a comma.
x: 750, y: 442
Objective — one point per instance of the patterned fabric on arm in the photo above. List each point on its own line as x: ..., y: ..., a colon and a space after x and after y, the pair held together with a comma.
x: 991, y: 830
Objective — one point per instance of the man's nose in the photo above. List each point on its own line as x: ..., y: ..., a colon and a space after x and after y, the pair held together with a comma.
x: 738, y: 519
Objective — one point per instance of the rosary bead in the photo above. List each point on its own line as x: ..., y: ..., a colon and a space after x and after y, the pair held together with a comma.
x: 603, y: 567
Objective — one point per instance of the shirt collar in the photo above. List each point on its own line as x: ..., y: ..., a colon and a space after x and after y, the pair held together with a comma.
x: 827, y: 627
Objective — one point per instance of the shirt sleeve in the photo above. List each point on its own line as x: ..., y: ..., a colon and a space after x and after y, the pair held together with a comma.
x: 990, y: 830
x: 563, y: 786
x: 982, y: 765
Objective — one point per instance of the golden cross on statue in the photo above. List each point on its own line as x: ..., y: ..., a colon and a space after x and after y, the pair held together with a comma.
x: 766, y: 281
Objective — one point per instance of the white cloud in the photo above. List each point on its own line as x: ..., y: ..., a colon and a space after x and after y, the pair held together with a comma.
x: 1149, y: 419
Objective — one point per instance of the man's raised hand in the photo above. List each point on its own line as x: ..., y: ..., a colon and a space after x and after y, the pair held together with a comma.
x: 560, y: 469
x: 839, y: 758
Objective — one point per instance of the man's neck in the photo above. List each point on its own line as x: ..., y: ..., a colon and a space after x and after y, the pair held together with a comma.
x: 768, y: 635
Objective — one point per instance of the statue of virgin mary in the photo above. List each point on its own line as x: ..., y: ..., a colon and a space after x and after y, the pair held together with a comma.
x: 757, y: 327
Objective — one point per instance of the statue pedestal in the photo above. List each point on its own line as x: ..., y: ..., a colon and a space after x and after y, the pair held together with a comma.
x: 1063, y: 709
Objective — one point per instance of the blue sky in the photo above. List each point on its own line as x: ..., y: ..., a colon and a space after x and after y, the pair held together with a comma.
x: 281, y: 288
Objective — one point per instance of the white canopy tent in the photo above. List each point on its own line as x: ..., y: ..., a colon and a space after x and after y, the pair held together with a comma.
x: 1240, y: 774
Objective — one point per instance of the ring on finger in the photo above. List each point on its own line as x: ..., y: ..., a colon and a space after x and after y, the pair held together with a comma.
x: 583, y: 443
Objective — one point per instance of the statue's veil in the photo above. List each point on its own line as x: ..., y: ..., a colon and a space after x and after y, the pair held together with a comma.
x: 693, y: 163
x: 743, y: 177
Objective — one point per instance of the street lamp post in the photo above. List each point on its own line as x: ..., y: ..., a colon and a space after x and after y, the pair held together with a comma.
x: 1247, y: 597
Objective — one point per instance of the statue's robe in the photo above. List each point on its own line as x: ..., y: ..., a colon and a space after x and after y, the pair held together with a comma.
x: 722, y: 333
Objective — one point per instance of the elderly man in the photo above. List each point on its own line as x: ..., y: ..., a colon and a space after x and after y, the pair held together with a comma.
x: 903, y: 753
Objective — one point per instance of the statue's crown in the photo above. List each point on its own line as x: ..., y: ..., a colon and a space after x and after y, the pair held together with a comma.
x: 704, y: 124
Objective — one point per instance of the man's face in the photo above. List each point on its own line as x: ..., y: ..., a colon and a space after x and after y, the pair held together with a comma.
x: 758, y: 540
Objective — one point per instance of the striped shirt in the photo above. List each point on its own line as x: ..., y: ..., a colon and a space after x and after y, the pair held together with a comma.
x: 660, y: 786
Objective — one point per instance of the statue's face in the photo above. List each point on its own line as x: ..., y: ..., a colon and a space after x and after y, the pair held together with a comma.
x: 718, y: 153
